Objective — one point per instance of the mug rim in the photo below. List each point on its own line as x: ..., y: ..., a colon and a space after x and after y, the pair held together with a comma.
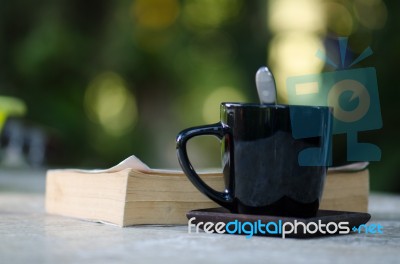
x: 277, y: 106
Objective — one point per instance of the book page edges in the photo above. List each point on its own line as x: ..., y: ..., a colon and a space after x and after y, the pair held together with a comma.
x: 346, y: 192
x: 99, y: 197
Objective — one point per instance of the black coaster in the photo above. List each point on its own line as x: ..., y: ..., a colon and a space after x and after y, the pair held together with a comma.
x: 323, y: 224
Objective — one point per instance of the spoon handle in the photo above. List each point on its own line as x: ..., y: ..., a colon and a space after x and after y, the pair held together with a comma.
x: 265, y: 83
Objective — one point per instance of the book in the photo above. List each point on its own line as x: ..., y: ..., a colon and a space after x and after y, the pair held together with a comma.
x: 347, y: 188
x: 131, y: 193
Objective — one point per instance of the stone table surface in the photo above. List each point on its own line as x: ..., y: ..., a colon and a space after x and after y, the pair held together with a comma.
x: 29, y: 235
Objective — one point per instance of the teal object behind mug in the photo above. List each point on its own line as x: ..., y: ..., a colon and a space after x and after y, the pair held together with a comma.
x: 260, y: 158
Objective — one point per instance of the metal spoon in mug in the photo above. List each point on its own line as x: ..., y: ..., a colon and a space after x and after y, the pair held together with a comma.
x: 265, y: 83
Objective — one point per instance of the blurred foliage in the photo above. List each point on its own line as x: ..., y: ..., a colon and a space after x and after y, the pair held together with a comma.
x: 111, y: 79
x: 108, y: 79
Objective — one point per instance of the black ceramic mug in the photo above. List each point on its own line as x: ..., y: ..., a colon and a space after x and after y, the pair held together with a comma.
x: 274, y: 158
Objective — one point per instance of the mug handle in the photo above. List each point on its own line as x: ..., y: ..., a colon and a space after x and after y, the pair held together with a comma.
x: 225, y: 198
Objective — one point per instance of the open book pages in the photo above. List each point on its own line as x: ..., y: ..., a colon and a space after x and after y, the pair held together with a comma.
x: 132, y: 162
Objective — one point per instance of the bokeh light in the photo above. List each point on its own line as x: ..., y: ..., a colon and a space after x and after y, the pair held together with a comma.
x: 155, y: 14
x: 211, y: 106
x: 295, y: 15
x: 210, y: 13
x: 297, y: 28
x: 109, y: 103
x: 339, y: 19
x: 294, y: 54
x: 372, y: 14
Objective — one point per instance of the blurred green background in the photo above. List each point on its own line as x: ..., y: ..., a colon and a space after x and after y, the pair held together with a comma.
x: 107, y: 79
